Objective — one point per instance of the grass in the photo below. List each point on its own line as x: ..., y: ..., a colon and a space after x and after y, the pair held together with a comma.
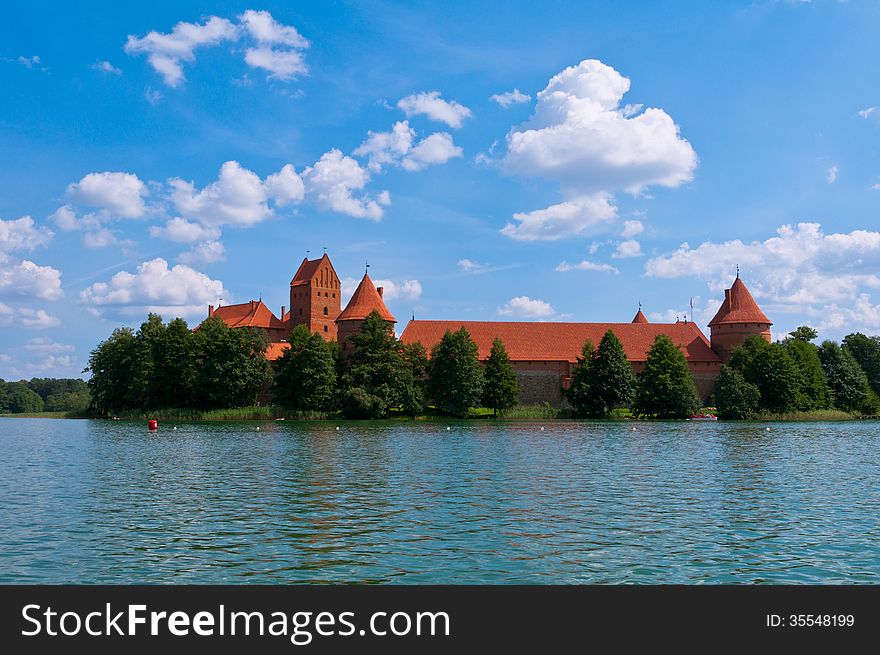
x: 44, y: 415
x: 256, y: 413
x: 815, y: 415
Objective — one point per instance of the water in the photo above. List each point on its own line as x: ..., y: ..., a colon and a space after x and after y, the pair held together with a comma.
x: 106, y: 502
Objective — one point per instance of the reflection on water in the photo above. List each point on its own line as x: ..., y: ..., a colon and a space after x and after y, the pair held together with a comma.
x: 103, y: 502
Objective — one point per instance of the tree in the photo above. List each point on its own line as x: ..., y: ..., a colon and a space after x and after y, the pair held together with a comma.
x: 376, y: 375
x: 735, y: 398
x: 18, y: 398
x: 770, y: 368
x: 231, y: 367
x: 415, y: 378
x: 666, y: 388
x: 612, y: 383
x: 305, y: 377
x: 500, y: 387
x: 112, y: 364
x: 813, y: 389
x: 174, y: 366
x: 847, y: 381
x: 579, y: 393
x: 148, y: 339
x: 866, y: 351
x: 804, y: 333
x: 455, y: 377
x: 61, y: 394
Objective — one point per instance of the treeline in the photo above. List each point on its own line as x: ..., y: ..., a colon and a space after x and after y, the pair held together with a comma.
x: 795, y: 375
x: 44, y: 395
x: 161, y: 366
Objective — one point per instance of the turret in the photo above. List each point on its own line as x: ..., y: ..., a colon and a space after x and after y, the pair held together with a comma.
x: 365, y: 299
x: 738, y: 318
x: 315, y: 297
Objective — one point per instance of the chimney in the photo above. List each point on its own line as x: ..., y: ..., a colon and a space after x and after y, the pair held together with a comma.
x: 210, y: 311
x: 283, y: 308
x: 380, y: 290
x: 727, y: 294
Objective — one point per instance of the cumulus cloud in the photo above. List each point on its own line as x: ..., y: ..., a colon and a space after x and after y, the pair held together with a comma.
x: 867, y: 112
x: 582, y: 139
x: 21, y: 234
x: 632, y: 229
x: 45, y: 345
x: 525, y: 307
x: 438, y: 148
x: 178, y: 291
x: 27, y: 279
x: 102, y: 238
x: 430, y: 104
x: 396, y: 147
x: 470, y: 266
x: 331, y: 182
x: 166, y: 51
x: 628, y: 248
x: 508, y: 98
x: 585, y: 265
x: 831, y: 175
x: 181, y: 230
x: 120, y: 194
x: 266, y: 29
x: 106, y: 67
x: 391, y: 289
x: 26, y: 317
x: 208, y: 252
x: 238, y: 197
x: 281, y: 64
x: 566, y: 219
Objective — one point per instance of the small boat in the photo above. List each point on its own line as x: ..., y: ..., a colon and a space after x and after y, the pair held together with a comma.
x: 702, y: 416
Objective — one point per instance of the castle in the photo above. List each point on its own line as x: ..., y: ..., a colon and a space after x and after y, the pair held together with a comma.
x: 543, y: 354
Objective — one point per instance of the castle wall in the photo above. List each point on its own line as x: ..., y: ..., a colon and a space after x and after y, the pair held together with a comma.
x: 727, y: 336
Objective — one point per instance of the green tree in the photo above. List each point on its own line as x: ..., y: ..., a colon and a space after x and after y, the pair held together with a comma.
x: 113, y: 365
x: 847, y: 381
x: 375, y: 380
x: 415, y: 378
x: 231, y: 367
x: 305, y: 377
x: 18, y: 398
x: 174, y: 372
x: 813, y: 389
x: 666, y: 388
x: 579, y: 393
x: 770, y: 368
x: 455, y: 376
x: 866, y: 351
x: 611, y: 380
x: 500, y: 387
x: 144, y: 383
x: 735, y: 398
x: 804, y: 333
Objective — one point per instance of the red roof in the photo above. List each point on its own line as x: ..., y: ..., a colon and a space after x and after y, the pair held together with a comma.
x: 364, y: 300
x: 306, y: 271
x: 640, y: 317
x: 248, y: 314
x: 276, y: 349
x: 564, y: 341
x: 739, y: 307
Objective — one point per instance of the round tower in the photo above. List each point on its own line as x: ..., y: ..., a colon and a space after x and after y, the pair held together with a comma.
x: 365, y: 299
x: 738, y: 318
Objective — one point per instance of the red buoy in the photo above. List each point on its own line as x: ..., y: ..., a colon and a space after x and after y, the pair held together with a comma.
x: 152, y: 425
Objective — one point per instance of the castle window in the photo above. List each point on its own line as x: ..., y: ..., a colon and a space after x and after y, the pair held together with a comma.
x: 325, y: 311
x: 325, y: 328
x: 300, y: 311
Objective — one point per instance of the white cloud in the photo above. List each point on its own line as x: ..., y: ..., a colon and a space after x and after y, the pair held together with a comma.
x: 208, y: 252
x: 469, y: 266
x: 29, y: 62
x: 383, y: 148
x: 266, y: 29
x: 400, y: 290
x: 165, y: 52
x: 867, y: 112
x: 26, y: 317
x: 152, y: 96
x: 46, y: 345
x: 238, y: 197
x: 331, y: 181
x: 566, y: 219
x: 438, y: 148
x: 580, y: 138
x: 179, y: 291
x: 525, y: 307
x: 20, y: 234
x: 281, y: 64
x: 121, y: 194
x: 181, y: 230
x: 632, y: 229
x: 103, y: 238
x: 27, y: 279
x: 628, y: 248
x: 106, y: 67
x: 510, y: 98
x: 586, y: 265
x: 434, y: 107
x: 831, y: 175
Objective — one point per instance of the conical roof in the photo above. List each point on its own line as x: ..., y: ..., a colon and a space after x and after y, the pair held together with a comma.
x: 739, y: 307
x: 640, y: 317
x: 364, y: 300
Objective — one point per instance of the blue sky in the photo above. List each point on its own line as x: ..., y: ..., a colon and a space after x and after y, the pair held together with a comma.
x: 496, y: 162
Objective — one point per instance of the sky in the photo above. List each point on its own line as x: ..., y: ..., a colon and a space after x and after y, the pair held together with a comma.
x: 490, y: 161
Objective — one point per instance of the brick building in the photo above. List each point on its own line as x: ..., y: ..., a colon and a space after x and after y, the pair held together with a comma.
x: 543, y: 354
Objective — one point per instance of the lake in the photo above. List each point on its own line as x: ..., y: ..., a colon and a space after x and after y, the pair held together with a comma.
x: 415, y: 502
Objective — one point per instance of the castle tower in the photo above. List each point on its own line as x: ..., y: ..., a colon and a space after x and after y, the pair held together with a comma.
x: 640, y: 317
x: 315, y: 297
x: 738, y: 318
x: 366, y: 298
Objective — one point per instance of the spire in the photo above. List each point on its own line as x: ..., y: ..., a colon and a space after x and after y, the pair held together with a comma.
x: 640, y: 317
x: 739, y: 306
x: 364, y: 300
